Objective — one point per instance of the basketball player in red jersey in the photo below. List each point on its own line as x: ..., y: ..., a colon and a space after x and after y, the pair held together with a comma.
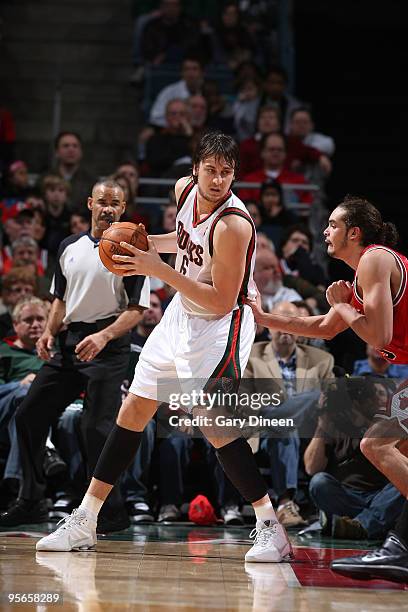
x: 375, y: 307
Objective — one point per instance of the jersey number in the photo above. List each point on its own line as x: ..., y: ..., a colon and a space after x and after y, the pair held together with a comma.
x: 184, y: 265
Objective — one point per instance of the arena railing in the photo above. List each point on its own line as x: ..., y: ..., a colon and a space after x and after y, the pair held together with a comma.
x: 298, y: 207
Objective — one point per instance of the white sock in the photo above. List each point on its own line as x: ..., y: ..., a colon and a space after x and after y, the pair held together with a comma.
x: 91, y: 504
x: 265, y: 512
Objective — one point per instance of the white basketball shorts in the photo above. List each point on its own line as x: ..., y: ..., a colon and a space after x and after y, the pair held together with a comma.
x: 191, y: 350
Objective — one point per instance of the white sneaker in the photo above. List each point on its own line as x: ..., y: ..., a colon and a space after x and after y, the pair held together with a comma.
x: 271, y: 544
x: 78, y: 532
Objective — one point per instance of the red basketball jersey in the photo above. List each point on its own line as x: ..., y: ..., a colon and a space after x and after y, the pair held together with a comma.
x: 397, y: 350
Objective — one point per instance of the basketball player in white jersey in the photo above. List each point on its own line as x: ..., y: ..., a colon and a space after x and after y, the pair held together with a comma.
x: 205, y: 334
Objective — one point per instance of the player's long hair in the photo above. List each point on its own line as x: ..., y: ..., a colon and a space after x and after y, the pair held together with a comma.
x: 361, y: 213
x: 220, y: 146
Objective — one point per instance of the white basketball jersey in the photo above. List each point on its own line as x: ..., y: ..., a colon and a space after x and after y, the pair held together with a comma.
x: 195, y: 244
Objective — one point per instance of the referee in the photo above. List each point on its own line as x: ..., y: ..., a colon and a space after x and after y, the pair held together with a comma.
x: 92, y: 315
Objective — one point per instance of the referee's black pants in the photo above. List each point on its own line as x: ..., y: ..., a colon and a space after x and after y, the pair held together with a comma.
x: 58, y: 383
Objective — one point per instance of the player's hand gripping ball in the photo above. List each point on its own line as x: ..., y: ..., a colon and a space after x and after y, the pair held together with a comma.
x: 109, y: 244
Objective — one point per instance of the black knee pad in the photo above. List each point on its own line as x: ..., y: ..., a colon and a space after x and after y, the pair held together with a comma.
x: 238, y: 463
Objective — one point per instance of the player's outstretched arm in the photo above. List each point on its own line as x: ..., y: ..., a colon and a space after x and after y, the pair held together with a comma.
x: 321, y: 326
x: 375, y: 326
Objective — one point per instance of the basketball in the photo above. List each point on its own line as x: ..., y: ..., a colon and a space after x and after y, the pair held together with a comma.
x: 109, y: 244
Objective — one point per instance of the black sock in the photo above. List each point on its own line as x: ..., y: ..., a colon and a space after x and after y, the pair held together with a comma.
x: 238, y: 463
x: 120, y: 448
x: 401, y: 526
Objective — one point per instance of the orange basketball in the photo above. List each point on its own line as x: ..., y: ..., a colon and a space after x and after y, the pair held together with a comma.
x: 109, y: 244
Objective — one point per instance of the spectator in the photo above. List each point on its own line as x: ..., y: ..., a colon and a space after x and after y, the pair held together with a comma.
x: 302, y: 127
x: 197, y: 115
x: 19, y: 365
x: 273, y: 154
x: 123, y: 181
x: 232, y: 42
x: 245, y: 109
x: 296, y: 260
x: 25, y: 253
x: 151, y: 317
x: 15, y: 192
x: 253, y: 209
x: 305, y: 158
x: 68, y: 156
x: 172, y: 142
x: 219, y: 115
x: 56, y: 193
x: 247, y: 71
x: 78, y: 223
x: 275, y: 216
x: 40, y: 226
x: 127, y: 176
x: 167, y: 35
x: 355, y: 500
x: 191, y: 83
x: 29, y: 318
x: 376, y: 365
x: 131, y: 171
x: 17, y: 182
x: 268, y: 278
x: 295, y: 369
x: 275, y: 94
x: 169, y: 218
x: 264, y: 243
x: 268, y: 122
x: 34, y: 200
x: 16, y: 285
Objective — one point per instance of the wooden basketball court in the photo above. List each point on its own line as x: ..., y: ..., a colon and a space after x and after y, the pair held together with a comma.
x: 183, y: 567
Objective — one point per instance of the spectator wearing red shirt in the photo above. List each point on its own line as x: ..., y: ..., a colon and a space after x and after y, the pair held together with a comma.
x: 273, y: 155
x: 268, y: 122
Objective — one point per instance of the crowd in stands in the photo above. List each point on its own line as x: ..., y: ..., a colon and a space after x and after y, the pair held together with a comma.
x: 281, y: 152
